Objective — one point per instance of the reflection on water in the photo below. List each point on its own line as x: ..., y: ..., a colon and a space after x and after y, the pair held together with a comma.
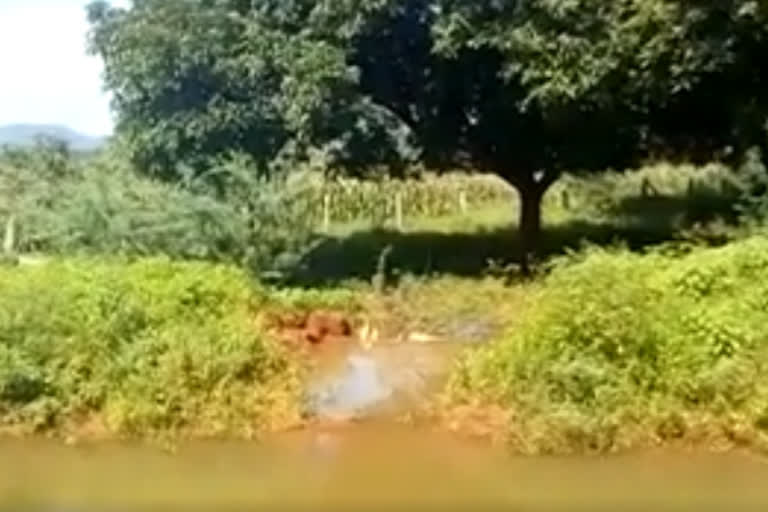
x: 368, y: 466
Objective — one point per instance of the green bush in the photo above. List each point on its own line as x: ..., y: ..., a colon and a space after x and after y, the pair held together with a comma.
x: 102, y: 206
x: 145, y: 346
x: 753, y: 182
x: 625, y: 349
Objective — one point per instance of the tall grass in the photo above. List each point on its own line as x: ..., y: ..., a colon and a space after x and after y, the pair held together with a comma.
x: 639, y: 208
x: 374, y: 201
x: 608, y: 196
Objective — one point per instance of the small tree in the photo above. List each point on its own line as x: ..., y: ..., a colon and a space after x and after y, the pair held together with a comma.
x: 520, y: 88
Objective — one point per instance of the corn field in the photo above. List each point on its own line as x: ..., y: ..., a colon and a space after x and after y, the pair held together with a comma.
x: 350, y: 200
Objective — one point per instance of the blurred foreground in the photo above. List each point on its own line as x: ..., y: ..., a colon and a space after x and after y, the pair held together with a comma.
x: 367, y: 466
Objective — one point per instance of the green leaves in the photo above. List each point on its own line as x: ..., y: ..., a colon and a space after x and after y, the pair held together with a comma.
x: 640, y: 338
x: 510, y: 87
x: 180, y: 90
x: 229, y: 214
x: 573, y: 51
x: 195, y: 80
x: 148, y: 346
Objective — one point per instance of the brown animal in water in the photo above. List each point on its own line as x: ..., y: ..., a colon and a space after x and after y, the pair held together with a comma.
x: 321, y: 325
x: 314, y: 328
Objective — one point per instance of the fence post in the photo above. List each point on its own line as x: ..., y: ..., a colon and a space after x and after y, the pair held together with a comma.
x: 9, y: 240
x: 463, y: 202
x: 399, y: 210
x: 326, y: 212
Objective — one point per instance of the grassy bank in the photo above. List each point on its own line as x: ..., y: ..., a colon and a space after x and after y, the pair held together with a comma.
x: 611, y: 350
x: 138, y: 348
x: 152, y: 347
x: 627, y: 350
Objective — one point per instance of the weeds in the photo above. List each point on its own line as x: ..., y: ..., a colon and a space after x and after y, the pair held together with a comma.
x: 146, y: 346
x: 625, y: 349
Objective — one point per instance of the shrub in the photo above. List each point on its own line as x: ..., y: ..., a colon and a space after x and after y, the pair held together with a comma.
x: 146, y: 346
x: 753, y: 177
x: 623, y: 347
x: 102, y: 206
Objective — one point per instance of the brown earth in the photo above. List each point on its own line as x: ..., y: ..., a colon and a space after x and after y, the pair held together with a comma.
x: 310, y: 328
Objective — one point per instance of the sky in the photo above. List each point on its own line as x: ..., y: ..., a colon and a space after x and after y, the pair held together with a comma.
x: 45, y: 74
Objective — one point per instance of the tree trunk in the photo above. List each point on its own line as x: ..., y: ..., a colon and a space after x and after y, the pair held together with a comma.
x: 529, y: 225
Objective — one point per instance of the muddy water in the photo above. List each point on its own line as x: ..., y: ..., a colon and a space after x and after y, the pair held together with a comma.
x: 370, y: 463
x: 366, y: 468
x: 384, y: 380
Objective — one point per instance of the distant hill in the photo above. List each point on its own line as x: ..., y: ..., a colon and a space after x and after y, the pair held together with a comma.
x: 25, y: 134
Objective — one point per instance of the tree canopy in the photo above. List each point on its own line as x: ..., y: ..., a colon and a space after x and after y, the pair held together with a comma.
x: 195, y: 79
x: 521, y: 88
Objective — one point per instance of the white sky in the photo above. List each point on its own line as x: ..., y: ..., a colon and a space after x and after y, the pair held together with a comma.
x: 45, y: 75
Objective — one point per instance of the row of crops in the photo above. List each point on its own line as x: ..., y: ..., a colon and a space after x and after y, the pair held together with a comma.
x: 350, y: 200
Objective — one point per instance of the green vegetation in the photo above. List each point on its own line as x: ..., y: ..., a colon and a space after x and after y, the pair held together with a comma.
x: 625, y: 349
x: 143, y: 345
x: 524, y: 92
x: 100, y: 205
x: 139, y: 348
x: 641, y: 208
x: 372, y: 203
x: 264, y: 151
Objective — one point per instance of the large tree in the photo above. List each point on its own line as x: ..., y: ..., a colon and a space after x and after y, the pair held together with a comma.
x: 195, y: 79
x: 521, y: 88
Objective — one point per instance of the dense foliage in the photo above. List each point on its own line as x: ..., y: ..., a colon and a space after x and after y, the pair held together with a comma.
x: 100, y: 205
x: 521, y: 89
x: 192, y: 81
x: 143, y: 347
x: 625, y: 349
